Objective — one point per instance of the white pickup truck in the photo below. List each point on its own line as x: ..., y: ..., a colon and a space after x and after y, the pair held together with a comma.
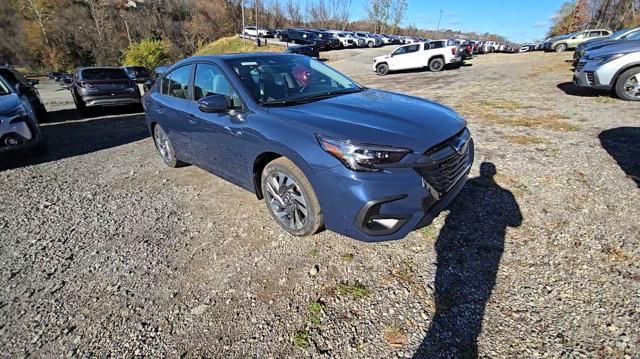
x: 434, y: 55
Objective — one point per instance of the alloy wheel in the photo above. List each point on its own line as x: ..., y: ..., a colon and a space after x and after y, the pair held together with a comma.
x: 286, y: 200
x: 632, y: 86
x: 162, y: 143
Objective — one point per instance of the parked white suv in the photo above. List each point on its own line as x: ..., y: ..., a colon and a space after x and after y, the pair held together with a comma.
x: 433, y: 55
x: 256, y: 31
x: 614, y: 67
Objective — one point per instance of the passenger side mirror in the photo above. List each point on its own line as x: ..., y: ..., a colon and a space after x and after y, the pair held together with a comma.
x: 34, y: 82
x: 213, y: 104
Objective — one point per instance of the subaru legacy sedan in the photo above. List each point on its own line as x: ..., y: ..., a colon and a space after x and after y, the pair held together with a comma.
x: 320, y: 149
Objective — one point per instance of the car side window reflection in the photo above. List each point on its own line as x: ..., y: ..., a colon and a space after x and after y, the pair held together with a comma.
x: 177, y: 83
x: 209, y: 80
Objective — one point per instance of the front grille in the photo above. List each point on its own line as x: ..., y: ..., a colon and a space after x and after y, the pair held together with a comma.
x: 590, y: 78
x: 444, y: 164
x: 580, y: 65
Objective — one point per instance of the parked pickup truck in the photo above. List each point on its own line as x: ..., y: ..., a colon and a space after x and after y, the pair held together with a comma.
x: 434, y: 55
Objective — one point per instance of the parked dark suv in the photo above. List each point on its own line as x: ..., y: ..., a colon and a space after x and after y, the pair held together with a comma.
x: 103, y: 86
x: 319, y: 148
x: 305, y: 37
x: 26, y: 89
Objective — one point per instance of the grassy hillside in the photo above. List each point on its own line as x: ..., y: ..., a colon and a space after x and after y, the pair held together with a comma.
x: 234, y: 44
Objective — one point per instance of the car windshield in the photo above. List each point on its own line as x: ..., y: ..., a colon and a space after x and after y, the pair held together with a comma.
x: 104, y: 74
x: 287, y: 80
x: 4, y: 87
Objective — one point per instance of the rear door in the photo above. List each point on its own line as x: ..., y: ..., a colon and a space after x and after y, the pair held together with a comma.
x: 172, y: 109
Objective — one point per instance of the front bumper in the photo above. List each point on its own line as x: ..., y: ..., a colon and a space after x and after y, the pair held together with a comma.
x: 588, y: 75
x: 382, y: 206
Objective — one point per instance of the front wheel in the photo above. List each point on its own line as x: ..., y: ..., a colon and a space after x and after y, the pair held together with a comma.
x: 436, y: 65
x: 561, y: 48
x: 382, y: 69
x: 370, y: 44
x: 290, y: 198
x: 628, y: 85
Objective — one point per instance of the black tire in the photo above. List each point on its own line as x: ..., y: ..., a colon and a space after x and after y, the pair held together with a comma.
x: 371, y: 44
x: 80, y: 105
x: 560, y: 48
x: 41, y: 114
x: 436, y: 64
x: 382, y: 69
x: 165, y: 147
x: 624, y: 80
x: 313, y: 220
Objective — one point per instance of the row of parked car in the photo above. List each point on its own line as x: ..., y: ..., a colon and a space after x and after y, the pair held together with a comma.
x: 609, y: 63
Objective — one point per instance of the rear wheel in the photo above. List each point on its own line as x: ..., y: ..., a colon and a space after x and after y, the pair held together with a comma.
x: 165, y: 148
x: 561, y: 48
x: 370, y: 44
x: 436, y: 64
x: 80, y: 105
x: 628, y: 85
x: 382, y: 69
x: 290, y: 198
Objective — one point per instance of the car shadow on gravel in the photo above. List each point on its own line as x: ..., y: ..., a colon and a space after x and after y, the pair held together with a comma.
x: 572, y: 90
x: 623, y: 144
x: 469, y: 249
x: 75, y: 137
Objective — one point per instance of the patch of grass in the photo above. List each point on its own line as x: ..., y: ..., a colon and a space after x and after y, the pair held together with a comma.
x: 503, y: 104
x: 315, y: 312
x: 356, y: 290
x: 395, y: 336
x: 429, y: 232
x: 615, y: 253
x: 527, y: 140
x: 313, y: 253
x: 234, y: 44
x: 605, y: 99
x: 552, y: 121
x: 300, y: 339
x: 347, y: 257
x: 404, y: 274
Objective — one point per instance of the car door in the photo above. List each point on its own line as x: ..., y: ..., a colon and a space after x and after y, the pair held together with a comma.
x: 218, y: 137
x: 171, y: 106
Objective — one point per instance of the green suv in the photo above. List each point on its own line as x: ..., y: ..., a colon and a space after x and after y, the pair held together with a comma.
x: 567, y: 43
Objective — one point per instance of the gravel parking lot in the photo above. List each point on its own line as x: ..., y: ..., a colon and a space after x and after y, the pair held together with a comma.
x: 104, y: 251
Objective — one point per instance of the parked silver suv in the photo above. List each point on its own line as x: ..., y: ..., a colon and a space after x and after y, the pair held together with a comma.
x: 615, y: 67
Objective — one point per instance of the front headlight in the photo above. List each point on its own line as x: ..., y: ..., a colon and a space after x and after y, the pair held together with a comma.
x: 607, y: 58
x: 362, y: 157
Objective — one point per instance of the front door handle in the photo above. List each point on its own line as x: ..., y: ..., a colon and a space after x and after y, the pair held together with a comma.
x: 192, y: 119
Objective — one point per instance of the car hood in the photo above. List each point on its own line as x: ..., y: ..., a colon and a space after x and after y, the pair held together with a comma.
x: 595, y: 42
x: 8, y: 103
x: 377, y: 117
x: 618, y: 47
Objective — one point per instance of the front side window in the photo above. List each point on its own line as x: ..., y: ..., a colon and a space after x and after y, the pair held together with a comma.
x: 281, y: 80
x: 210, y: 80
x: 177, y: 82
x: 581, y: 35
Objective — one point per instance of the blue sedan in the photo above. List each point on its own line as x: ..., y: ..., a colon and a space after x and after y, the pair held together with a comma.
x: 320, y: 149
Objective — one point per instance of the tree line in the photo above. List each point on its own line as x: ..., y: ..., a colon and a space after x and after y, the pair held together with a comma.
x: 63, y: 34
x: 582, y: 14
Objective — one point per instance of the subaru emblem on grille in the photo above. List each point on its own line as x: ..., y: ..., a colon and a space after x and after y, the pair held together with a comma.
x: 459, y: 145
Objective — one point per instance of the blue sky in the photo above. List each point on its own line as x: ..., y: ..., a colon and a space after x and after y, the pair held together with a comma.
x: 519, y: 20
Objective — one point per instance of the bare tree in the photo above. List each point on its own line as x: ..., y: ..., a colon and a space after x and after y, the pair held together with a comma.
x: 398, y: 9
x: 294, y: 12
x: 379, y: 12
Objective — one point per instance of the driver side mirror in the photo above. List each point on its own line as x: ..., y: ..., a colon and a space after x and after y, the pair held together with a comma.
x: 33, y: 82
x: 148, y: 84
x: 213, y: 104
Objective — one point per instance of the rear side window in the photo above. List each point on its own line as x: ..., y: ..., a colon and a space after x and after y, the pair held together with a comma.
x: 177, y: 83
x: 103, y: 74
x: 436, y: 44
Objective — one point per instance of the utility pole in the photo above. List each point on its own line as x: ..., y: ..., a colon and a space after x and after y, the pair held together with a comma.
x: 439, y: 20
x: 242, y: 30
x: 257, y: 32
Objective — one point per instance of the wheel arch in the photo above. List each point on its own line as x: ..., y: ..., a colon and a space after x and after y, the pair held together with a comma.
x: 259, y: 163
x: 616, y: 77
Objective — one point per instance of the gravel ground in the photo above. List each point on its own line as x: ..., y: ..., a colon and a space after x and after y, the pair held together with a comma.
x: 103, y: 251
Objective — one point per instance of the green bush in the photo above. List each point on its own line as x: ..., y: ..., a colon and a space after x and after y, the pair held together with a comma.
x: 148, y: 53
